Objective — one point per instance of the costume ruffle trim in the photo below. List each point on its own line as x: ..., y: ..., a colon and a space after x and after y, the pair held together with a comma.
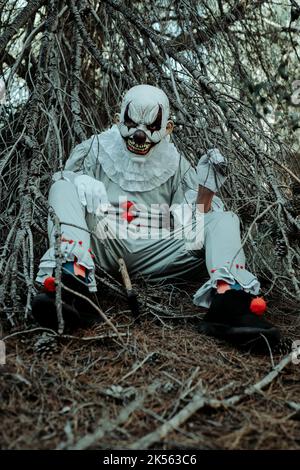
x: 69, y: 252
x: 203, y: 296
x: 129, y: 174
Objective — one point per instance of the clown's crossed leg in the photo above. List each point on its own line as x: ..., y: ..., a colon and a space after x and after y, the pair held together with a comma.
x: 123, y: 193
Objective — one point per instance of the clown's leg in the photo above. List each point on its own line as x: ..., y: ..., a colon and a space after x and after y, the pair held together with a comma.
x: 232, y: 313
x: 75, y: 234
x: 224, y: 256
x: 78, y: 265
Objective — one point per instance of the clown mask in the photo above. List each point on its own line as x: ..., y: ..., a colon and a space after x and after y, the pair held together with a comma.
x: 143, y: 121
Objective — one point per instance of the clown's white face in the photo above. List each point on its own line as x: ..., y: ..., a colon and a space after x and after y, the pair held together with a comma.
x: 144, y: 119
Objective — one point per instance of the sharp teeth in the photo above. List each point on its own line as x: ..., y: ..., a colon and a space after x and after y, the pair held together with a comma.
x: 137, y: 146
x: 142, y: 149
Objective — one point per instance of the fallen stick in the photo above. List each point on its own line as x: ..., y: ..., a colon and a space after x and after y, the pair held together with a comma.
x: 267, y: 379
x: 138, y: 366
x: 108, y: 426
x: 66, y: 336
x: 145, y: 442
x: 101, y: 313
x: 200, y: 401
x: 31, y: 330
x: 95, y: 338
x: 131, y: 294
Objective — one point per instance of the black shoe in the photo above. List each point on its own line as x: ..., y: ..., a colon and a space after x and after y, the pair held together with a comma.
x: 230, y: 318
x: 77, y: 312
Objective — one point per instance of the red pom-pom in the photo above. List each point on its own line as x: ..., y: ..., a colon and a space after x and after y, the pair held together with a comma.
x: 258, y: 306
x: 49, y: 284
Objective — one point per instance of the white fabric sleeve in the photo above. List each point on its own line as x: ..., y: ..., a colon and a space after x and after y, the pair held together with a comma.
x: 82, y: 161
x: 186, y: 191
x: 83, y: 158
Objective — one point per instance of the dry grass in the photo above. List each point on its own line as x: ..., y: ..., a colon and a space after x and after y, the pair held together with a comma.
x: 52, y: 402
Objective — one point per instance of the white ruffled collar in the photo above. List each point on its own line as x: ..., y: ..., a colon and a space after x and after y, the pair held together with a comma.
x: 129, y: 174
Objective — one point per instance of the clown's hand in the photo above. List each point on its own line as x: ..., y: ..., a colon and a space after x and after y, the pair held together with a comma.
x: 91, y: 193
x: 211, y: 170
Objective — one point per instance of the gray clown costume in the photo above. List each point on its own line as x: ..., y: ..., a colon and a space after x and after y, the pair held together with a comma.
x: 161, y: 177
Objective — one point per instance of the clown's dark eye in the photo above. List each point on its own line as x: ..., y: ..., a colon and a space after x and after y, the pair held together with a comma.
x: 156, y: 125
x: 127, y: 120
x: 152, y: 127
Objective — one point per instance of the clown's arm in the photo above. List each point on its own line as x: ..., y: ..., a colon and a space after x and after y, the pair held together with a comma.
x: 81, y: 169
x: 211, y: 171
x: 204, y: 198
x: 83, y: 158
x: 190, y: 188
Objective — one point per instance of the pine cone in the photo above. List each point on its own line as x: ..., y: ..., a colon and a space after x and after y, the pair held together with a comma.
x: 46, y: 345
x: 296, y: 188
x: 280, y: 247
x: 283, y: 347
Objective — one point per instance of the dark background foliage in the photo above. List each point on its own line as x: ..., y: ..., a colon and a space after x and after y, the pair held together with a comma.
x: 230, y: 69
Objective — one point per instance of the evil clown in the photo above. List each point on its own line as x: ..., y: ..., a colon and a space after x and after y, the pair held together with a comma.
x: 128, y: 193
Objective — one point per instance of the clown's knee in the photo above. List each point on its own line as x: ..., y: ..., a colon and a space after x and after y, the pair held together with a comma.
x: 232, y: 216
x: 227, y: 217
x: 63, y: 190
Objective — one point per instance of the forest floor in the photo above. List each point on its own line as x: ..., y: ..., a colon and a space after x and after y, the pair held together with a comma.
x: 98, y: 391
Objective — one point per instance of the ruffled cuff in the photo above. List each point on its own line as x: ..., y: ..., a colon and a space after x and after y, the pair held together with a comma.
x: 203, y: 296
x: 65, y: 175
x: 70, y: 251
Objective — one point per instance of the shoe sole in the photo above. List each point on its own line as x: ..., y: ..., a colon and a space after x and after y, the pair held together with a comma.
x: 239, y: 335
